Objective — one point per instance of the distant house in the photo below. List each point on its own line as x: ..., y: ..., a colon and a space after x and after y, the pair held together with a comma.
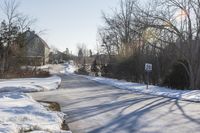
x: 36, y: 49
x: 56, y: 57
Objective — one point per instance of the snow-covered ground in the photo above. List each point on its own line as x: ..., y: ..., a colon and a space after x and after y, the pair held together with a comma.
x: 20, y: 113
x: 69, y: 68
x: 30, y: 84
x: 190, y: 95
x: 44, y: 67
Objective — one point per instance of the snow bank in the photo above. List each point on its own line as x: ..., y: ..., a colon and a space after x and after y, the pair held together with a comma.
x: 20, y: 113
x: 30, y: 84
x: 50, y: 132
x: 190, y: 95
x: 44, y: 67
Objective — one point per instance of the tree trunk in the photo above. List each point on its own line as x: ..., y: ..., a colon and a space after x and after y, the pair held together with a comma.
x: 192, y: 76
x: 192, y: 81
x: 5, y: 61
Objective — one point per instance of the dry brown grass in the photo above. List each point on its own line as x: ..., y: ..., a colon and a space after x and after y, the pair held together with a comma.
x: 53, y: 106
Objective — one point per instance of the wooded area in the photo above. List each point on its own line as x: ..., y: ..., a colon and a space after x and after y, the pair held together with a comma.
x: 165, y: 33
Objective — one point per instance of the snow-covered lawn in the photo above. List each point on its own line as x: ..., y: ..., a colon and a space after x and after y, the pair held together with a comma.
x: 30, y: 84
x: 20, y: 113
x: 190, y: 95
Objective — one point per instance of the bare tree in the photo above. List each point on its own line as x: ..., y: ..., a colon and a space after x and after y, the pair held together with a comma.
x: 162, y: 29
x: 84, y: 49
x: 24, y: 22
x: 178, y: 23
x: 120, y: 28
x: 12, y: 29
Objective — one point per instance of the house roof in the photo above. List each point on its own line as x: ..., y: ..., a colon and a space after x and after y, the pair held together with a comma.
x: 45, y: 44
x: 33, y: 35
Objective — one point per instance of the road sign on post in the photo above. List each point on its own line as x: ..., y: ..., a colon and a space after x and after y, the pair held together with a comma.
x: 148, y: 69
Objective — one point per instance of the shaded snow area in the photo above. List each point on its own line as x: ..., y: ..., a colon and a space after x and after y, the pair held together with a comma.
x: 190, y: 95
x: 20, y: 113
x: 30, y: 84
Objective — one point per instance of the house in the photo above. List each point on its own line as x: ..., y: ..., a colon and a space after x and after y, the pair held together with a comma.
x: 27, y: 49
x: 36, y: 50
x: 56, y: 57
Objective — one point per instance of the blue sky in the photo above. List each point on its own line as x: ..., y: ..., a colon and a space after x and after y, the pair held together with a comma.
x: 68, y: 22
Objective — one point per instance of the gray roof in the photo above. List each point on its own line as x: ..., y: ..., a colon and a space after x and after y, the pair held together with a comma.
x: 33, y: 36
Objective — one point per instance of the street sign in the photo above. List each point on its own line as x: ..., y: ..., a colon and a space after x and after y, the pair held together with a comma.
x: 148, y: 67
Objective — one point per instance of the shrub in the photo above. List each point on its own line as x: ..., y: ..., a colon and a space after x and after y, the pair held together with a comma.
x: 130, y: 69
x: 94, y: 68
x: 177, y: 77
x: 82, y: 71
x: 24, y: 74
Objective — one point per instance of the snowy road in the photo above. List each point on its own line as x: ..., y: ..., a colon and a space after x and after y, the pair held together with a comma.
x: 97, y: 108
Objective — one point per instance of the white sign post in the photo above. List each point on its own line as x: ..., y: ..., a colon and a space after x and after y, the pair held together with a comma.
x: 148, y: 69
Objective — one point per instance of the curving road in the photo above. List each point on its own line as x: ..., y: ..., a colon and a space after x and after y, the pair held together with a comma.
x: 98, y: 108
